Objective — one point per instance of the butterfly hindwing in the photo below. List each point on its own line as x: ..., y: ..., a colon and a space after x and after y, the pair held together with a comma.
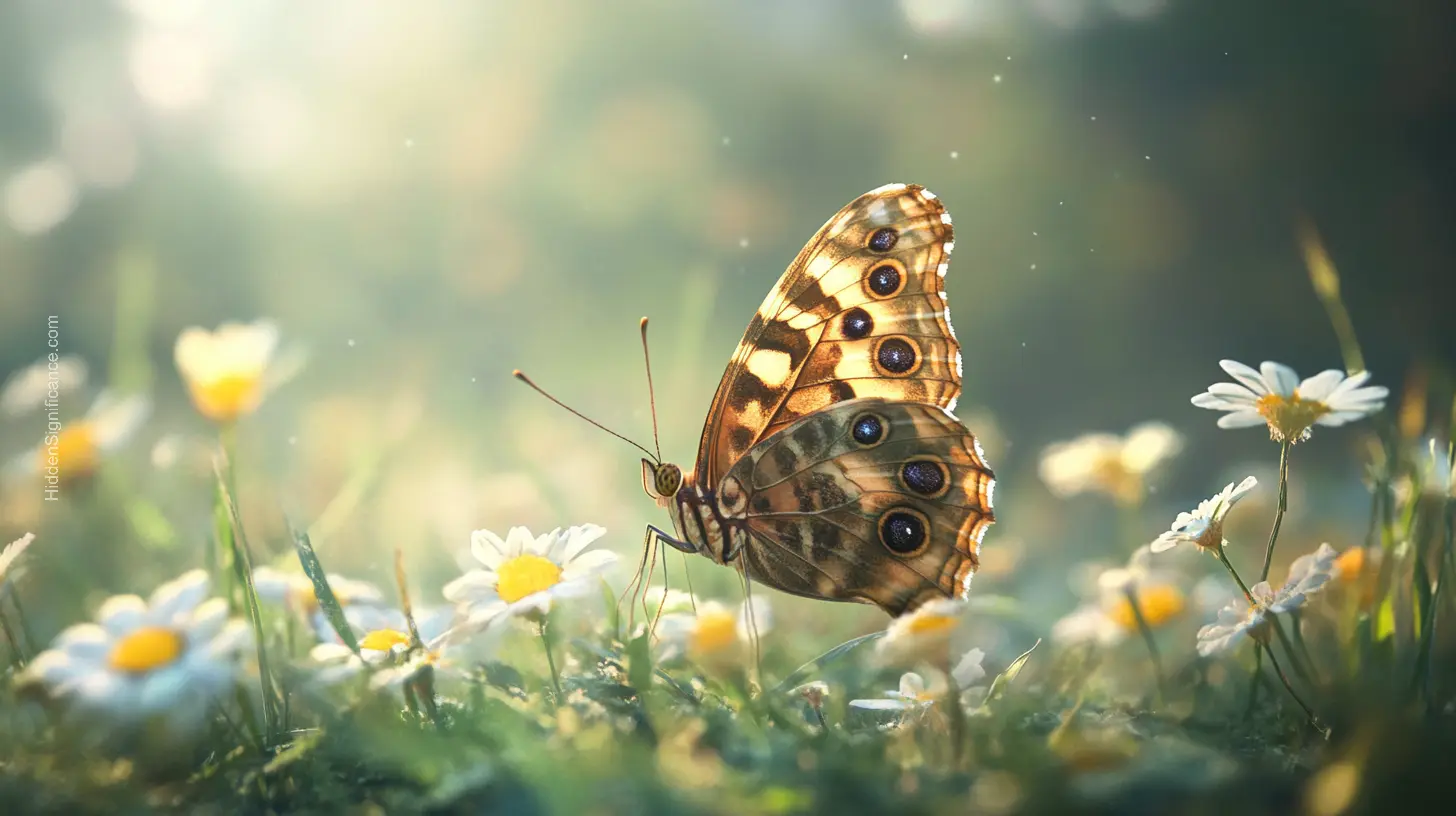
x: 860, y: 312
x: 872, y: 500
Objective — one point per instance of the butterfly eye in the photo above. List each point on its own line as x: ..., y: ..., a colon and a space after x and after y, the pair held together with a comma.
x: 868, y: 429
x: 857, y: 324
x: 884, y: 239
x: 897, y: 355
x: 885, y: 280
x: 903, y: 530
x: 669, y: 479
x: 926, y: 477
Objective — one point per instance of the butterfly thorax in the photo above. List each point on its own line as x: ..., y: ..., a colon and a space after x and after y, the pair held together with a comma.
x: 711, y: 519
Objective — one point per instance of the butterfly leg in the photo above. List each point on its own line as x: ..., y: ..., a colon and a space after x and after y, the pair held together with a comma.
x: 659, y: 535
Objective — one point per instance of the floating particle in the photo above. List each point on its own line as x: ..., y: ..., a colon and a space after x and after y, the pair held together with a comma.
x: 996, y: 78
x: 955, y: 154
x: 743, y: 243
x: 351, y: 342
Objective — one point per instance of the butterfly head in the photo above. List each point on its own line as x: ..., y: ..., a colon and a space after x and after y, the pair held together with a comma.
x: 661, y: 480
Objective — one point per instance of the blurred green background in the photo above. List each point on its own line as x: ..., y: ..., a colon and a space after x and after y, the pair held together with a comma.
x: 426, y: 195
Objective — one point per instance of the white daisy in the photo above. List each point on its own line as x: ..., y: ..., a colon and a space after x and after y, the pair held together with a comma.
x: 1088, y: 623
x: 228, y: 372
x: 1204, y: 526
x: 294, y: 591
x: 1116, y: 465
x: 912, y: 695
x: 384, y: 639
x: 1307, y: 575
x: 169, y: 658
x: 1275, y: 396
x: 716, y: 634
x: 525, y: 574
x: 923, y: 635
x: 43, y: 380
x: 73, y: 450
x: 968, y: 669
x: 662, y: 599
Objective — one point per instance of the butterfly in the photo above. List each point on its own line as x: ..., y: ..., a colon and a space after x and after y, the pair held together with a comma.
x: 830, y: 464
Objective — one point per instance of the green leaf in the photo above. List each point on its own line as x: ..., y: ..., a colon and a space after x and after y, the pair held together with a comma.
x: 800, y: 674
x: 999, y: 685
x: 639, y: 663
x: 1385, y: 619
x: 327, y: 600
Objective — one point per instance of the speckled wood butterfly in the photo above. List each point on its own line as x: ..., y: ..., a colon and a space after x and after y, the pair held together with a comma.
x: 830, y: 465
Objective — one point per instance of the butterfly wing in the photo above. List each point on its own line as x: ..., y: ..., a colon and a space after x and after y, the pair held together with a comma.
x: 860, y: 312
x: 869, y: 500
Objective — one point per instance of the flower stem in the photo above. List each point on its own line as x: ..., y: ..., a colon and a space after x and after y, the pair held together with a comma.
x: 1223, y: 559
x: 1278, y: 511
x: 1313, y: 721
x: 1255, y: 684
x: 551, y: 659
x: 1294, y: 659
x: 957, y: 715
x: 15, y: 648
x: 1147, y: 633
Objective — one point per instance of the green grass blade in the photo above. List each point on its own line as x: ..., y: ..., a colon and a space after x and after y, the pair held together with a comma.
x: 798, y: 675
x: 243, y: 572
x: 327, y: 600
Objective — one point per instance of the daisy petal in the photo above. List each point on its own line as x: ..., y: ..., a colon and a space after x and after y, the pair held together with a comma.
x: 1319, y: 387
x: 1246, y: 375
x: 1240, y: 419
x: 1280, y: 378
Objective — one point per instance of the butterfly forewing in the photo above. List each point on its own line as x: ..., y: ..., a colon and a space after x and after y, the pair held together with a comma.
x: 860, y: 312
x: 869, y: 500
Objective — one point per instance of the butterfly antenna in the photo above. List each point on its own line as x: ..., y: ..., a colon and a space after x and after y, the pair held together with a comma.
x: 520, y: 375
x: 651, y: 393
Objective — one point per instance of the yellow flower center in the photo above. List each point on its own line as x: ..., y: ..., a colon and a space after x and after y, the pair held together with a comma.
x: 75, y: 452
x: 1350, y: 565
x: 1158, y: 605
x: 382, y: 640
x: 227, y: 398
x: 930, y: 625
x: 715, y: 632
x: 1110, y: 474
x: 526, y: 575
x: 147, y: 649
x: 1289, y: 417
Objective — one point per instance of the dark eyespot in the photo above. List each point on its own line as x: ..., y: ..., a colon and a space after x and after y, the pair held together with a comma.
x: 896, y: 355
x: 868, y: 429
x: 857, y: 324
x: 885, y: 281
x: 903, y: 530
x: 923, y: 476
x: 884, y: 239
